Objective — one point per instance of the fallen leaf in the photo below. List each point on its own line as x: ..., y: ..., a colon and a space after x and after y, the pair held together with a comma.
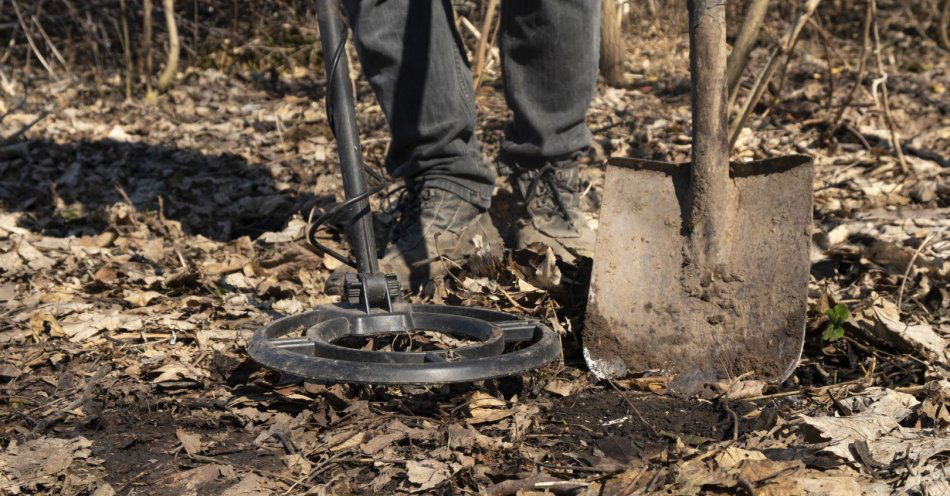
x: 34, y: 259
x: 732, y: 456
x: 382, y: 441
x: 347, y: 441
x: 652, y: 383
x: 191, y: 442
x: 141, y: 298
x: 484, y: 407
x: 427, y: 473
x: 105, y: 275
x: 251, y: 485
x: 104, y: 489
x: 93, y: 324
x: 177, y: 371
x: 741, y: 389
x: 289, y: 306
x: 119, y: 134
x: 298, y: 463
x: 882, y: 322
x: 98, y: 241
x: 871, y: 422
x: 562, y: 387
x: 43, y: 460
x: 40, y: 322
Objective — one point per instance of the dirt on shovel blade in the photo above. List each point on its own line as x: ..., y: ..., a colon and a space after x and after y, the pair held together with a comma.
x: 651, y: 308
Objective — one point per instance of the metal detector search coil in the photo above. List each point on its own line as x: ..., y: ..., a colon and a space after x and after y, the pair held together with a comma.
x: 314, y: 355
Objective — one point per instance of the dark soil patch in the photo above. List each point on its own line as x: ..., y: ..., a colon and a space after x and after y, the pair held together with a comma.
x: 145, y: 453
x: 623, y: 430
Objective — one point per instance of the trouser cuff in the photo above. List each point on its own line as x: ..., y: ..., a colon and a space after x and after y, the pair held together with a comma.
x: 478, y: 194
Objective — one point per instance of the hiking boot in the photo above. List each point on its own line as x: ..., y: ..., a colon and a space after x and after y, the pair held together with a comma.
x: 547, y: 198
x: 436, y: 231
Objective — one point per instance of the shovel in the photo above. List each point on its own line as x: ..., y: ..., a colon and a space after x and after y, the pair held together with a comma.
x: 701, y: 269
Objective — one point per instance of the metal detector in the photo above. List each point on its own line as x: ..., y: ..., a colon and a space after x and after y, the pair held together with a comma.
x: 308, y: 345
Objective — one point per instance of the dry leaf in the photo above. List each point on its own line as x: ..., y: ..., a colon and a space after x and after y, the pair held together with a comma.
x: 298, y: 463
x: 178, y: 371
x: 105, y: 275
x: 652, y: 383
x: 190, y: 442
x: 732, y: 456
x: 42, y: 460
x: 34, y: 259
x: 381, y: 441
x: 41, y: 321
x: 741, y: 389
x: 882, y: 321
x: 562, y: 387
x: 346, y: 441
x: 251, y: 485
x: 141, y: 298
x: 869, y: 423
x: 484, y: 407
x: 427, y: 473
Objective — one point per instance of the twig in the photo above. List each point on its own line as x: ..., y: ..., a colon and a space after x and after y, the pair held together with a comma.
x: 826, y: 47
x: 635, y: 411
x: 576, y: 468
x: 914, y: 21
x: 29, y: 39
x: 13, y: 137
x: 942, y: 37
x: 862, y: 62
x: 885, y: 101
x: 735, y: 421
x: 52, y: 47
x: 739, y: 57
x: 17, y: 106
x: 171, y: 65
x: 913, y: 258
x: 533, y: 484
x: 147, y: 44
x: 126, y: 47
x: 817, y: 390
x: 781, y: 79
x: 481, y: 52
x: 785, y: 48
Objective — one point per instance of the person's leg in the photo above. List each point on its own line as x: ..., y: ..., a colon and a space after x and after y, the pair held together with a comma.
x: 414, y: 60
x: 549, y: 59
x: 412, y: 57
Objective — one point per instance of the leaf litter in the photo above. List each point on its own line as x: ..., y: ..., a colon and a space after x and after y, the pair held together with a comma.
x: 140, y: 246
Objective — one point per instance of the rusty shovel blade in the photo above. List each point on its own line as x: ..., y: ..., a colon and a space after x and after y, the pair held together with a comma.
x: 650, y: 309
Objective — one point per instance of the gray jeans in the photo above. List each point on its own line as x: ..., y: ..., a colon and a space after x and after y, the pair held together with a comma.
x: 416, y: 64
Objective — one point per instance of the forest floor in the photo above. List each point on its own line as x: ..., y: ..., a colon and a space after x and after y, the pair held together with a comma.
x: 142, y: 244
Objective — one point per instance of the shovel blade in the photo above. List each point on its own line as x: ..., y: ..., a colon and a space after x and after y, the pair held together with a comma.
x: 648, y: 309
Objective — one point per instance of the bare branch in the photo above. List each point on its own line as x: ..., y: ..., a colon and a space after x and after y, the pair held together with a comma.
x: 174, y: 47
x: 885, y: 100
x: 744, y: 43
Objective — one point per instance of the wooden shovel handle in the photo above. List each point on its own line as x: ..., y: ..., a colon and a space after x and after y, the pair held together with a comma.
x: 709, y: 185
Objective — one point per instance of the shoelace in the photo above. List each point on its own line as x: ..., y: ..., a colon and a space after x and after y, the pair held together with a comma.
x: 548, y: 174
x: 408, y: 205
